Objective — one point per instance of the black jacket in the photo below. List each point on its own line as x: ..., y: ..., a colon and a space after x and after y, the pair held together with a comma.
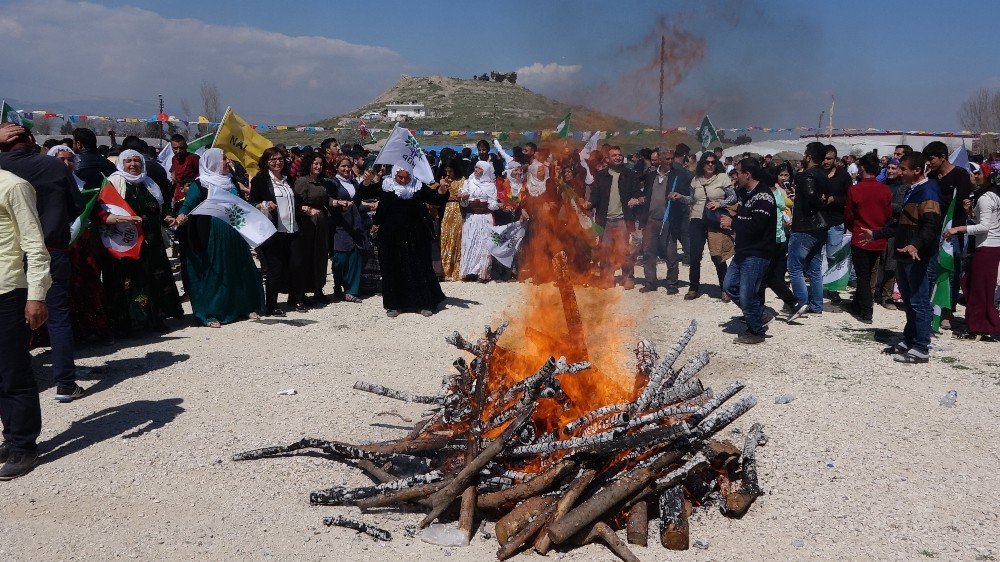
x: 92, y: 168
x: 57, y: 198
x: 808, y: 212
x: 630, y: 186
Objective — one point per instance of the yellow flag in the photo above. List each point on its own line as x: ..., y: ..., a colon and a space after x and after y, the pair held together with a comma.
x: 240, y: 141
x: 202, y: 119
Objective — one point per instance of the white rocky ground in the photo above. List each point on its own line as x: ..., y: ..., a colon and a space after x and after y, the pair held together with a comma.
x: 863, y: 464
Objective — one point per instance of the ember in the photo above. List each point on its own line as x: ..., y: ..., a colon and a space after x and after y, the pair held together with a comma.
x: 553, y: 469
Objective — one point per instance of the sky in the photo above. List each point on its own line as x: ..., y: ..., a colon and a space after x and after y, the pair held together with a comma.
x: 894, y: 64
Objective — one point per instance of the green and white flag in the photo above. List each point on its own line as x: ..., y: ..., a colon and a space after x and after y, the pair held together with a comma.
x: 253, y: 225
x: 81, y: 222
x: 10, y: 115
x: 201, y: 144
x: 941, y: 298
x: 562, y: 129
x: 838, y: 269
x: 706, y: 133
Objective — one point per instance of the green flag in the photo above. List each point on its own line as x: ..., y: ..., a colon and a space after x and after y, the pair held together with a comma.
x: 562, y: 129
x: 81, y: 222
x: 941, y: 299
x: 9, y: 115
x: 201, y: 143
x: 838, y: 266
x: 706, y: 133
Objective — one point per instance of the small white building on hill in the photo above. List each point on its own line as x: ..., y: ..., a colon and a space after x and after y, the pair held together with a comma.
x: 404, y: 111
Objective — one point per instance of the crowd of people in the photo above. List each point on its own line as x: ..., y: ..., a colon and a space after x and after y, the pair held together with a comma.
x: 489, y: 216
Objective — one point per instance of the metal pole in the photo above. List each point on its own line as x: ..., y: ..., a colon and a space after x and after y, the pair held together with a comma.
x: 160, y: 123
x: 663, y: 51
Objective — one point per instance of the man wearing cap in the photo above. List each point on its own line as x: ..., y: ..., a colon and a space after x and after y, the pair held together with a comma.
x: 22, y: 308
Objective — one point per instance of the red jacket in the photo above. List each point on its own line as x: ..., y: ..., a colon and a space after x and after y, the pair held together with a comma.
x: 869, y: 205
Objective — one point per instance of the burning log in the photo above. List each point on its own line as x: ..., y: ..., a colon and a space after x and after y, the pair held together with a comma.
x: 403, y: 496
x: 347, y: 496
x: 521, y: 516
x: 679, y: 393
x: 595, y: 415
x: 692, y: 368
x: 395, y: 394
x: 662, y: 371
x: 586, y: 476
x: 372, y: 531
x: 571, y: 309
x: 525, y: 490
x: 738, y: 501
x: 674, y: 529
x: 332, y: 448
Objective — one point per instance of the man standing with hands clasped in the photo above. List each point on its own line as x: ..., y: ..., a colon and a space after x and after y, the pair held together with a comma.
x: 916, y: 231
x: 22, y: 308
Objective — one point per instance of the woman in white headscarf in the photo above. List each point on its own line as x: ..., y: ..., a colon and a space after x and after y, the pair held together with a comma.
x: 405, y: 235
x: 141, y: 292
x: 479, y: 197
x: 68, y: 157
x: 218, y: 271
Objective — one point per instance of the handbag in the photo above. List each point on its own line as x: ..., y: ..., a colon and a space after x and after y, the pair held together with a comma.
x: 712, y: 216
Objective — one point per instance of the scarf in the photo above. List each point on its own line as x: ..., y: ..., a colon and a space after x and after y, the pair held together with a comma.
x: 537, y: 186
x: 141, y: 177
x: 212, y: 174
x: 402, y: 191
x: 487, y: 181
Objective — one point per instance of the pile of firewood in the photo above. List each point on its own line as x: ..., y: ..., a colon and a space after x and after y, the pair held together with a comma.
x: 490, y: 447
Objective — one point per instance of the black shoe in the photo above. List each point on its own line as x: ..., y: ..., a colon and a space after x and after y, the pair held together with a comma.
x: 647, y: 288
x: 66, y: 394
x: 4, y: 451
x: 749, y: 339
x: 672, y: 291
x: 308, y: 301
x: 789, y: 309
x: 18, y: 464
x: 322, y: 299
x: 274, y: 312
x: 767, y: 316
x: 301, y: 307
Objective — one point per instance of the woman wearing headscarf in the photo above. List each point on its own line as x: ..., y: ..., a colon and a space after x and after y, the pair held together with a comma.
x: 311, y: 248
x: 347, y: 231
x: 222, y: 279
x: 981, y: 313
x: 711, y: 192
x: 451, y: 224
x: 883, y: 290
x: 271, y: 193
x: 479, y: 197
x: 140, y: 293
x: 540, y: 204
x: 88, y: 313
x: 404, y: 241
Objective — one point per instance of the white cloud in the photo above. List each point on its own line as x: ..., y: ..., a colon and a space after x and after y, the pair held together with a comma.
x: 61, y: 50
x: 545, y: 76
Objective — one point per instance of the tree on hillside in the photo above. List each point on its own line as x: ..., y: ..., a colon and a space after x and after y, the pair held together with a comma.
x: 211, y: 104
x: 981, y: 111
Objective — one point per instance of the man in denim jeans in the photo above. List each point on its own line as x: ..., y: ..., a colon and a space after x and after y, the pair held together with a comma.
x: 917, y: 237
x: 836, y: 198
x: 809, y: 233
x: 755, y: 247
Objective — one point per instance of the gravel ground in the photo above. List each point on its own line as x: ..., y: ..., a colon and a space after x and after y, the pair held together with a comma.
x: 863, y: 464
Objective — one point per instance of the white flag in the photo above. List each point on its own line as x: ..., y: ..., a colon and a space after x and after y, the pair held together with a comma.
x: 253, y: 225
x: 960, y: 158
x: 166, y: 157
x: 402, y: 150
x: 591, y: 146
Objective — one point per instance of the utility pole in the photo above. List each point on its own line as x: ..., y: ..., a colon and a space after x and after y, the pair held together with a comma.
x: 160, y: 123
x: 663, y: 52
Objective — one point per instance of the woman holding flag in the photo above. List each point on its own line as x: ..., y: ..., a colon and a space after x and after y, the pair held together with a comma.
x: 138, y: 283
x: 222, y: 280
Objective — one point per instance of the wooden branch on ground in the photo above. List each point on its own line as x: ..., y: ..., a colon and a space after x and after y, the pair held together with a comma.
x: 674, y: 528
x: 372, y: 531
x: 395, y: 394
x: 532, y: 487
x: 637, y: 528
x: 586, y: 476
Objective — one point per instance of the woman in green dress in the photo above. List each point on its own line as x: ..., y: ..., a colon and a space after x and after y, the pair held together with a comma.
x: 140, y: 293
x: 223, y: 281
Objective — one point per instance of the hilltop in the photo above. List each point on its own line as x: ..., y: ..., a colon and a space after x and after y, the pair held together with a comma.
x: 456, y: 104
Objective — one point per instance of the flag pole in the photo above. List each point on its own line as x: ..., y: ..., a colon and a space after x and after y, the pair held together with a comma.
x: 663, y: 47
x: 224, y: 115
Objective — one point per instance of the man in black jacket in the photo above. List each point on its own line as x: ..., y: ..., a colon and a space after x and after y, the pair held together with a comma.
x: 755, y: 247
x: 615, y: 196
x: 836, y: 199
x: 59, y: 203
x: 809, y: 226
x: 91, y: 167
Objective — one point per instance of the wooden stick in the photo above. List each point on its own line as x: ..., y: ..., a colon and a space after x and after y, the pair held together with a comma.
x: 395, y: 394
x: 376, y: 472
x: 508, y: 526
x: 607, y: 497
x: 443, y: 498
x: 410, y: 494
x: 586, y: 476
x: 638, y: 524
x: 674, y: 527
x: 372, y: 531
x: 525, y: 490
x: 603, y: 531
x: 529, y: 530
x: 738, y: 502
x: 340, y: 495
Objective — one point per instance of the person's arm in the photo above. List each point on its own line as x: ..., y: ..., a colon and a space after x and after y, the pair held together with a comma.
x: 730, y: 197
x: 928, y: 224
x: 195, y: 195
x: 21, y: 201
x: 509, y: 161
x: 686, y: 198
